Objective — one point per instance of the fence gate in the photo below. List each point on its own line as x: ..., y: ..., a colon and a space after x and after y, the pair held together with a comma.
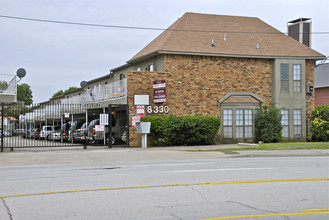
x: 118, y: 126
x: 40, y: 125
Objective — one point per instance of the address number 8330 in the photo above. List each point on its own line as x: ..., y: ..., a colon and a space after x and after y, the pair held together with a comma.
x: 157, y: 109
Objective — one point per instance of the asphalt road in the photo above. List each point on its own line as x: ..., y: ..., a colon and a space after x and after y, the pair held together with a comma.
x: 215, y: 188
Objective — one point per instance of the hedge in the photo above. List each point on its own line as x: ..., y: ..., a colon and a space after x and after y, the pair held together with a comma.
x: 183, y: 130
x: 320, y: 124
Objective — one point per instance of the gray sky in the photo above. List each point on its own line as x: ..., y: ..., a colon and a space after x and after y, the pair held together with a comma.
x: 57, y: 56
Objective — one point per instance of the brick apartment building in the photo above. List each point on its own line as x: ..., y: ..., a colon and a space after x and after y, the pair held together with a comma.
x: 321, y: 84
x: 226, y: 66
x: 222, y: 66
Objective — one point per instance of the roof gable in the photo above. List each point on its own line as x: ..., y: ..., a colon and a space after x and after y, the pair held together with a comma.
x: 232, y: 35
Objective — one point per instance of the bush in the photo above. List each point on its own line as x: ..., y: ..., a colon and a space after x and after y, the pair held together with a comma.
x: 268, y: 126
x: 183, y: 130
x: 320, y: 124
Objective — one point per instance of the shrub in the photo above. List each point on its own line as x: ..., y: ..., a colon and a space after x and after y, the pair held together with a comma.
x: 183, y: 130
x: 320, y: 124
x: 268, y: 126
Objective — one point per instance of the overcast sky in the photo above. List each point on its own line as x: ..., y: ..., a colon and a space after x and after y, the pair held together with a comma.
x: 57, y: 56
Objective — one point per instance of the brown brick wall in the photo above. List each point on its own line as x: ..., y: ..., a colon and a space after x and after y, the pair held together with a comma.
x: 194, y: 84
x: 322, y: 96
x: 309, y: 80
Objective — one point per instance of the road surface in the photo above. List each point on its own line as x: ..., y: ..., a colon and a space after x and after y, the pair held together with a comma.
x: 217, y: 188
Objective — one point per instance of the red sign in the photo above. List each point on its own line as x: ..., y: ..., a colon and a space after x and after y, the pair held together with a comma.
x: 159, y: 88
x: 140, y: 110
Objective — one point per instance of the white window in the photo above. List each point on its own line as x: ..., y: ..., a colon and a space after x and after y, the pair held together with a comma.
x: 297, y: 122
x: 138, y: 69
x: 285, y: 122
x: 296, y: 77
x: 150, y: 67
x: 243, y: 123
x: 227, y: 123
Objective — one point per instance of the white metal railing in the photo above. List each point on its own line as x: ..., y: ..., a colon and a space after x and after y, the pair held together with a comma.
x: 111, y: 91
x: 8, y: 84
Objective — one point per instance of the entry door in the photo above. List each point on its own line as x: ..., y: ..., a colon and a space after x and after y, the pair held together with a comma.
x: 118, y: 126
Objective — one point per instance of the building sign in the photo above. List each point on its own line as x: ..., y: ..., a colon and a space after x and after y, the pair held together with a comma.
x: 104, y: 119
x: 135, y: 119
x: 159, y: 88
x: 140, y: 110
x: 99, y: 127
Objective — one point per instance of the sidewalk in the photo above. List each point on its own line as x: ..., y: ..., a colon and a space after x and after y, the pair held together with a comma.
x: 102, y: 154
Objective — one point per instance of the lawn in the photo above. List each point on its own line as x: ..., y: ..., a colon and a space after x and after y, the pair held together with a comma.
x: 280, y: 146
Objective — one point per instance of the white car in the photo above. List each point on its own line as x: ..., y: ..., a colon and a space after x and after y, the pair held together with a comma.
x: 47, y: 131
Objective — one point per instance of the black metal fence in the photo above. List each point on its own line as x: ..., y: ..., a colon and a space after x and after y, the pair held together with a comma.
x: 61, y: 125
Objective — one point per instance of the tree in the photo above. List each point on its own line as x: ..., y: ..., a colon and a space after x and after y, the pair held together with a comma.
x: 58, y: 93
x: 24, y: 94
x: 3, y: 85
x: 61, y: 92
x: 268, y: 126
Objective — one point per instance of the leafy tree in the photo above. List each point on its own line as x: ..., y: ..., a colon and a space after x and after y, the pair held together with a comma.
x: 320, y: 124
x: 58, y: 93
x: 16, y: 109
x: 268, y: 126
x: 24, y: 94
x: 70, y: 89
x: 3, y: 85
x: 61, y: 92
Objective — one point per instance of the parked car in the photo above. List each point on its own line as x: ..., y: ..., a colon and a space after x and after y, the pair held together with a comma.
x: 26, y: 133
x: 94, y: 135
x: 81, y: 133
x: 74, y: 126
x: 18, y: 132
x: 35, y: 133
x: 46, y: 131
x: 5, y: 133
x: 55, y: 136
x: 65, y: 131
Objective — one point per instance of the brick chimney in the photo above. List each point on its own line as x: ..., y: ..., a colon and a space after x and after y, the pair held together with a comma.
x: 300, y: 30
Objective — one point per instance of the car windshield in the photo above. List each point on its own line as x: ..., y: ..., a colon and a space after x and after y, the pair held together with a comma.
x: 83, y: 126
x: 93, y: 123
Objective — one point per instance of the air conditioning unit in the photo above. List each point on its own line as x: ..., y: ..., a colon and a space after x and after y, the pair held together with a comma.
x: 309, y: 89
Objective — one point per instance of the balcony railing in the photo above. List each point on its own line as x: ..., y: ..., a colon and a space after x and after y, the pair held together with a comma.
x: 8, y: 84
x: 100, y: 93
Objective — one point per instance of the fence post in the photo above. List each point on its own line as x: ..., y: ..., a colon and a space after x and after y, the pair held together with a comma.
x: 2, y: 126
x: 110, y: 127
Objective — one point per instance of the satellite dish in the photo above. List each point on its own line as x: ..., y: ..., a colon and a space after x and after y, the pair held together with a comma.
x: 21, y: 73
x: 83, y: 84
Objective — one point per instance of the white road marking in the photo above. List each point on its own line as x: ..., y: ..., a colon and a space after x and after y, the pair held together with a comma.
x: 212, y: 170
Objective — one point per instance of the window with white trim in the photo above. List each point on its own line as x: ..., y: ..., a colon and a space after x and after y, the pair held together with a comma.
x: 297, y: 77
x: 243, y: 123
x: 285, y: 122
x: 227, y: 123
x: 297, y: 122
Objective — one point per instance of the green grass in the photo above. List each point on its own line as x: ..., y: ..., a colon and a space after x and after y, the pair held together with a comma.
x: 278, y: 146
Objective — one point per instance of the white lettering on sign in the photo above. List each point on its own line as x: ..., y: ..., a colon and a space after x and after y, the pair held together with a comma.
x: 99, y: 128
x: 157, y: 109
x: 158, y: 86
x: 135, y: 119
x: 140, y: 110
